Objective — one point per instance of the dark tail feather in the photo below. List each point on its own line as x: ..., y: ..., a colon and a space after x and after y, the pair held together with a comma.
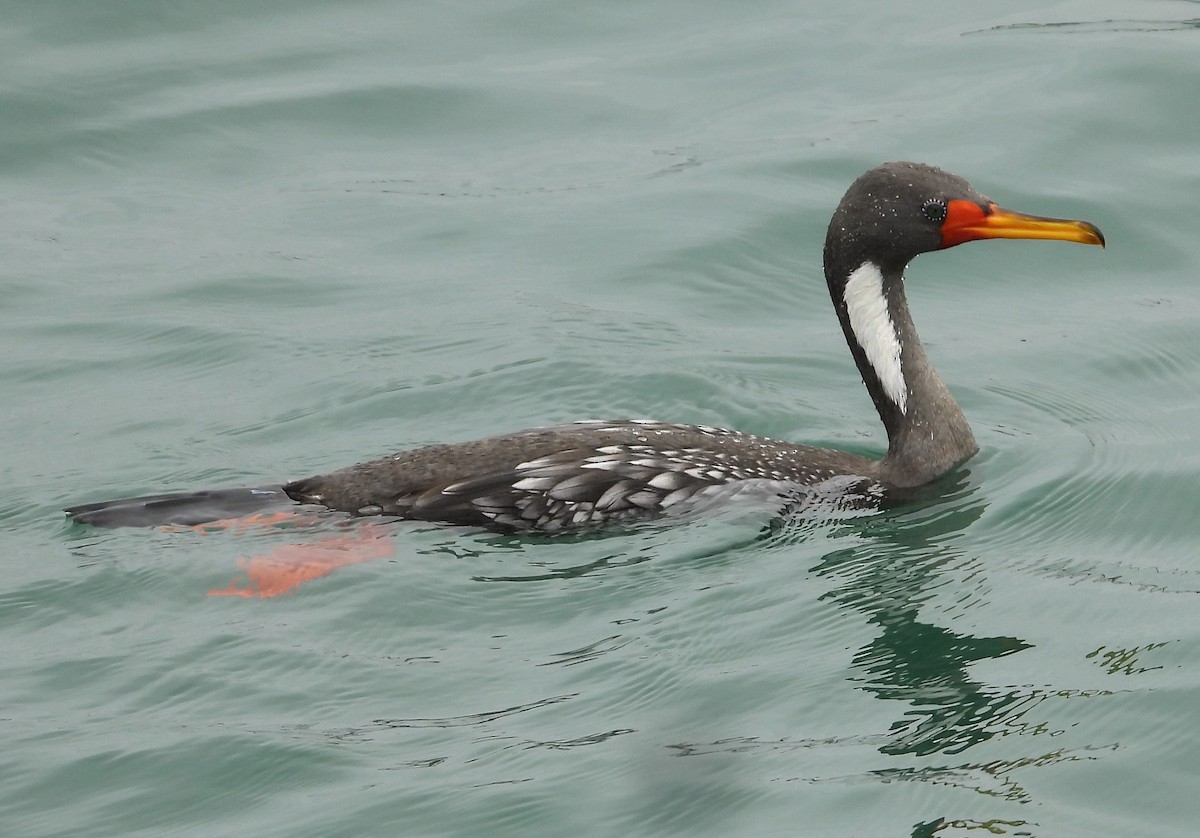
x: 182, y: 508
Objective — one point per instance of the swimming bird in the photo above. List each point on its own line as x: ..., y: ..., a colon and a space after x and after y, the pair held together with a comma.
x: 596, y: 473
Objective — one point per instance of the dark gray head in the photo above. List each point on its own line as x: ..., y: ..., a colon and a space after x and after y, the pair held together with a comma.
x: 892, y: 213
x: 898, y: 210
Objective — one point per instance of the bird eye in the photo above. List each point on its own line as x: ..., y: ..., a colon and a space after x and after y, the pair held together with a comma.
x: 934, y: 209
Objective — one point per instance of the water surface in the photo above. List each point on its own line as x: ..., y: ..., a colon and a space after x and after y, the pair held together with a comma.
x: 249, y: 241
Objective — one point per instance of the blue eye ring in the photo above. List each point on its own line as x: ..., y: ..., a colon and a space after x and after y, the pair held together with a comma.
x: 934, y: 209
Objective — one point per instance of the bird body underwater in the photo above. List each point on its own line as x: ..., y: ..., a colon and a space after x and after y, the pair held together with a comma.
x: 596, y: 473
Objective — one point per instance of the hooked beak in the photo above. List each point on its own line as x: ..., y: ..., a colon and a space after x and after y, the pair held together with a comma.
x: 967, y: 221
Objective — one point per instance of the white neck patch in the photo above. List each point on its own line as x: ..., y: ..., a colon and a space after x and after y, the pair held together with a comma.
x: 873, y: 328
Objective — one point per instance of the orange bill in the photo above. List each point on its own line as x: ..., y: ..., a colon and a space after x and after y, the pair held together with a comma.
x: 968, y: 221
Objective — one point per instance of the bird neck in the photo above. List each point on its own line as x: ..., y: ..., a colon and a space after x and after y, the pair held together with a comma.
x: 927, y: 432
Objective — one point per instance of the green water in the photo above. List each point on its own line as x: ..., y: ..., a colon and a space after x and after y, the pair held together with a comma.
x: 249, y: 241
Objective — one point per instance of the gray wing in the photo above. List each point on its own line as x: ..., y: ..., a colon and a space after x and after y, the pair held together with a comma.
x: 578, y: 476
x: 571, y: 489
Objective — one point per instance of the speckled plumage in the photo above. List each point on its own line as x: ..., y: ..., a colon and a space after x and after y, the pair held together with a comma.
x: 582, y: 475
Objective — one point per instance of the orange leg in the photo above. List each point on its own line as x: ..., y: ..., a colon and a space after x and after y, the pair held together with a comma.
x: 256, y: 521
x: 290, y: 565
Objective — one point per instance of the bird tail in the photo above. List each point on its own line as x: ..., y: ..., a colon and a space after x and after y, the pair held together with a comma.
x: 186, y: 509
